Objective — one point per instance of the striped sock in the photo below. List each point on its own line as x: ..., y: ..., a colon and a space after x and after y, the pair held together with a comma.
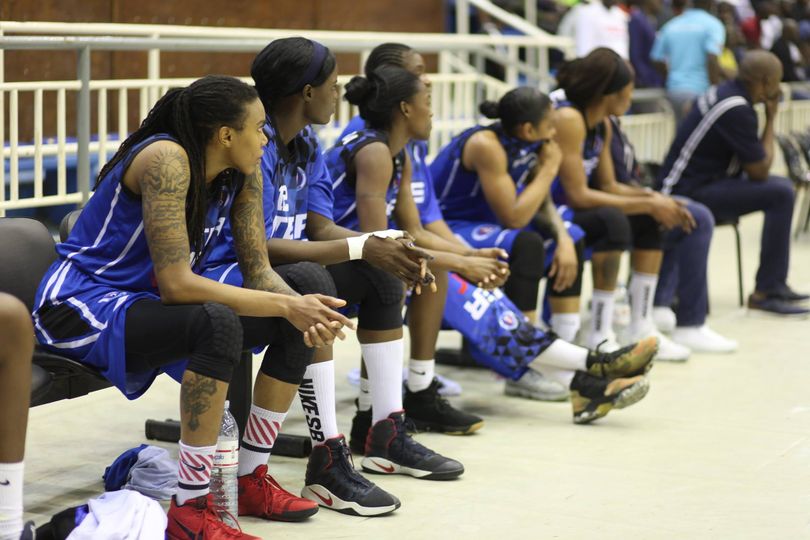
x: 194, y: 472
x: 260, y: 434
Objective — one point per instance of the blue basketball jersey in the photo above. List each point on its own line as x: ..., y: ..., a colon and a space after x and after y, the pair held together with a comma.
x: 459, y: 189
x: 104, y: 266
x: 591, y: 149
x: 421, y: 182
x: 340, y: 162
x: 296, y: 181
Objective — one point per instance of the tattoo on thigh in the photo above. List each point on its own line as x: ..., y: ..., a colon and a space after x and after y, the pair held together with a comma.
x: 195, y: 397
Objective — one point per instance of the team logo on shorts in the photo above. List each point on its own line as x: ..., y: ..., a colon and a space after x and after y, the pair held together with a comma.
x: 508, y: 320
x: 483, y: 231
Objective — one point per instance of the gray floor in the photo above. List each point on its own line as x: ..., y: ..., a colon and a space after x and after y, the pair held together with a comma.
x: 720, y: 448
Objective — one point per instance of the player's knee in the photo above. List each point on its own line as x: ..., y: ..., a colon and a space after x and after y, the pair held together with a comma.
x: 14, y: 316
x: 310, y: 278
x: 527, y: 259
x: 781, y: 192
x: 618, y: 234
x: 290, y: 366
x: 217, y: 334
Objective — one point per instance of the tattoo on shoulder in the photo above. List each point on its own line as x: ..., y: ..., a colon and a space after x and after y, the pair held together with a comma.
x: 164, y: 185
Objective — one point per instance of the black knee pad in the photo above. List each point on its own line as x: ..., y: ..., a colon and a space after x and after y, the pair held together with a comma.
x: 647, y: 233
x: 526, y: 262
x: 382, y: 307
x: 287, y: 358
x: 217, y: 346
x: 576, y: 287
x: 308, y: 278
x: 617, y: 233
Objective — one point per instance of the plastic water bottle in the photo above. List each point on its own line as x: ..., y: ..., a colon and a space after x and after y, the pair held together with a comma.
x: 224, y: 486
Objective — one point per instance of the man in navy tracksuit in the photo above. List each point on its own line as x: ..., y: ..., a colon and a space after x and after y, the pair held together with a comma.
x: 719, y: 159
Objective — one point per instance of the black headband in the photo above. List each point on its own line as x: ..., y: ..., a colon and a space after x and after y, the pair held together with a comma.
x: 621, y: 78
x: 315, y: 66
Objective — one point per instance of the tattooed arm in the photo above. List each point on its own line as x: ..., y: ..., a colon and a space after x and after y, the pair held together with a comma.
x: 247, y: 226
x: 160, y: 175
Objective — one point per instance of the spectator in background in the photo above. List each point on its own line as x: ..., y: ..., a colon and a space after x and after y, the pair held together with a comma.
x: 641, y: 28
x: 600, y: 23
x: 735, y: 41
x: 764, y: 27
x: 718, y: 158
x: 786, y: 48
x: 687, y: 50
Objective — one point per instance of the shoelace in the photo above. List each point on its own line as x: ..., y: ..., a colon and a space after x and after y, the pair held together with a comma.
x: 347, y: 466
x: 217, y: 511
x: 406, y: 442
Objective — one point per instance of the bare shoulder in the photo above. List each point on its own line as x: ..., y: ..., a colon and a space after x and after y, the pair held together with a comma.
x: 373, y: 156
x: 483, y: 147
x: 160, y: 165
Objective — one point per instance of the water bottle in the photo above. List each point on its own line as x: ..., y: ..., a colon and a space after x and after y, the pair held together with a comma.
x: 224, y: 485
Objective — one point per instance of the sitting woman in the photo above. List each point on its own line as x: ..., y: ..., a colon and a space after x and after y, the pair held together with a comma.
x: 372, y: 184
x: 126, y: 295
x: 616, y: 217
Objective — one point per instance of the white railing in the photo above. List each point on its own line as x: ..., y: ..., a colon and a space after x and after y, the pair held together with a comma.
x: 454, y: 98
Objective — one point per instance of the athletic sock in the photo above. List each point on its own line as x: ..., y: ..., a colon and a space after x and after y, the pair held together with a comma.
x: 566, y: 325
x: 641, y: 292
x: 420, y: 374
x: 562, y: 376
x: 364, y: 397
x: 563, y: 355
x: 601, y: 317
x: 260, y: 434
x: 384, y: 367
x: 11, y: 500
x: 317, y: 394
x: 194, y: 472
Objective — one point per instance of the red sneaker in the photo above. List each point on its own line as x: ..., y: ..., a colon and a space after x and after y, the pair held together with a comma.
x: 261, y: 496
x: 198, y: 519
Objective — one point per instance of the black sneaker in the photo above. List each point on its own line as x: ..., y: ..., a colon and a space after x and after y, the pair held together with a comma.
x: 776, y: 306
x: 588, y: 399
x: 428, y: 411
x: 628, y: 361
x: 390, y: 450
x: 334, y: 483
x: 787, y: 294
x: 361, y: 423
x: 29, y: 532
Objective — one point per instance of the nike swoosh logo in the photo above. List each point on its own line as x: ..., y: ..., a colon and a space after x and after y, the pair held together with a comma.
x: 191, y: 534
x: 200, y: 468
x: 327, y: 502
x: 418, y: 372
x: 6, y: 483
x: 386, y: 468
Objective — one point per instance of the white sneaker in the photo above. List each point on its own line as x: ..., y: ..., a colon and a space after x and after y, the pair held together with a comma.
x: 534, y: 386
x: 668, y: 350
x: 664, y: 319
x: 703, y: 339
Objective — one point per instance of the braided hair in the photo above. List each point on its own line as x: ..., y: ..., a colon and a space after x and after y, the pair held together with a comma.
x: 192, y: 115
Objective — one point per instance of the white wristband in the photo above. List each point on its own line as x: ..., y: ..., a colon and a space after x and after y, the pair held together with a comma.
x: 389, y: 233
x: 356, y: 244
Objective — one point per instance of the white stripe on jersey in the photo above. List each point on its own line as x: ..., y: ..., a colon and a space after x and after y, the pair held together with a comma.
x: 226, y: 272
x: 451, y: 178
x: 60, y: 281
x: 86, y: 313
x: 123, y: 253
x: 347, y: 212
x: 103, y: 227
x: 74, y: 344
x: 339, y: 181
x: 696, y: 137
x: 49, y: 284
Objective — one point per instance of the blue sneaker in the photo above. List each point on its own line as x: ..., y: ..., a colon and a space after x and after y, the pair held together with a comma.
x: 776, y: 306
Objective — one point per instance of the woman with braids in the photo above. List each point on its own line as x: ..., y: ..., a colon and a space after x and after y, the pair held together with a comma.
x: 615, y: 217
x: 371, y: 167
x: 297, y: 81
x: 126, y: 295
